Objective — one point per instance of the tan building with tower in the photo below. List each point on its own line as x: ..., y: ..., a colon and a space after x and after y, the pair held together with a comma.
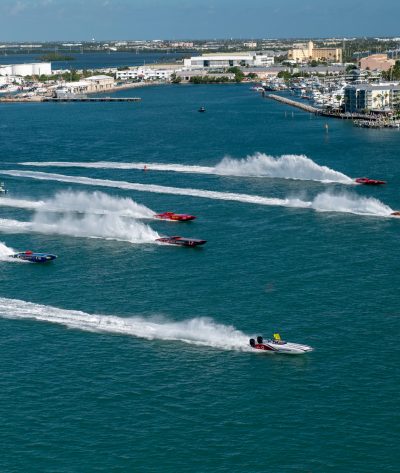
x: 305, y: 53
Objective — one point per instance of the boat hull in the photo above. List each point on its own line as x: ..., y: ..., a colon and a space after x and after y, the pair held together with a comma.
x: 35, y: 257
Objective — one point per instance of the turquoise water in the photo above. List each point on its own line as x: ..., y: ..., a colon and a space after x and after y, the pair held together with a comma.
x: 153, y: 373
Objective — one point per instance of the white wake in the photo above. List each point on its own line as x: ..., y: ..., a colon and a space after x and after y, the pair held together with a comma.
x: 288, y: 166
x: 196, y: 331
x: 107, y: 227
x: 83, y: 202
x: 324, y: 202
x: 5, y: 252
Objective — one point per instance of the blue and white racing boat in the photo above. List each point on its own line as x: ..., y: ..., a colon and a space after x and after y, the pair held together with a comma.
x: 34, y: 257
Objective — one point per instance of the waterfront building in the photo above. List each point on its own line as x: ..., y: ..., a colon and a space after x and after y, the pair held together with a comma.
x: 367, y: 97
x: 376, y: 62
x: 264, y: 72
x: 223, y: 61
x: 144, y: 73
x: 305, y: 53
x: 99, y: 83
x: 185, y: 76
x: 182, y: 44
x: 30, y: 69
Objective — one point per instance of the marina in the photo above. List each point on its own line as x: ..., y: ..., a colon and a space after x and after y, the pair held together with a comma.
x: 328, y: 113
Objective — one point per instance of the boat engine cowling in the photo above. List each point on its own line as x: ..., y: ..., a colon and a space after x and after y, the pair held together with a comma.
x: 259, y: 339
x: 252, y: 342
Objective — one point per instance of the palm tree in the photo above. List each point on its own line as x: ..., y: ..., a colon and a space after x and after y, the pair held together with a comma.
x: 377, y: 98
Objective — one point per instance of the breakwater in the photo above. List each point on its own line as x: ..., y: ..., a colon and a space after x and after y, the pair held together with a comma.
x: 294, y: 103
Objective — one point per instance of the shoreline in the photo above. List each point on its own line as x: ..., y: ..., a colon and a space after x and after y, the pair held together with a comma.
x: 39, y: 99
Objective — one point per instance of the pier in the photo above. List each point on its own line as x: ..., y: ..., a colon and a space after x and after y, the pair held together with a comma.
x: 294, y: 103
x: 92, y: 99
x: 36, y: 99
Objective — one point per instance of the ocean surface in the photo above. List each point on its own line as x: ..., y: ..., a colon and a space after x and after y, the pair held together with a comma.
x: 128, y: 355
x: 95, y: 60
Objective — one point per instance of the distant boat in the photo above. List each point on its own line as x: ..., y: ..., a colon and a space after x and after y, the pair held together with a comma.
x: 202, y: 109
x: 3, y: 190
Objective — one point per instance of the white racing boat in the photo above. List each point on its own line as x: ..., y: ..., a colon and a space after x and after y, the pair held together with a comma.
x: 277, y: 345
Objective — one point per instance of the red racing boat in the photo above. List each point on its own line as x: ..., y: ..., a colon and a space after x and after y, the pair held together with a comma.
x: 181, y: 241
x: 175, y: 217
x: 369, y: 182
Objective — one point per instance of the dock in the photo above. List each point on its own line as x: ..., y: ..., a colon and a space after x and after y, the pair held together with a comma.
x: 36, y: 99
x: 294, y: 103
x: 92, y: 99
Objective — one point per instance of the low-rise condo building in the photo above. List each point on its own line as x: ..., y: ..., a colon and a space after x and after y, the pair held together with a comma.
x: 366, y: 97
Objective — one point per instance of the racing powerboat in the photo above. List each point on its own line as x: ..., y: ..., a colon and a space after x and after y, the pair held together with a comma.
x: 3, y: 190
x: 34, y: 257
x: 202, y: 109
x: 369, y: 182
x: 181, y: 241
x: 277, y: 345
x: 396, y: 213
x: 175, y: 217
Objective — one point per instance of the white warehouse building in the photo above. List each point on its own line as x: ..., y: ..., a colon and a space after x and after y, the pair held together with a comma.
x: 32, y: 69
x: 217, y: 61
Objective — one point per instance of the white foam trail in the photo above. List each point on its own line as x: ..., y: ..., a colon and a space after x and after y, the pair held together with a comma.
x: 350, y: 203
x: 21, y: 203
x: 108, y: 227
x: 326, y: 201
x: 84, y: 202
x: 5, y: 253
x: 253, y: 199
x: 197, y: 331
x: 123, y: 166
x: 288, y: 166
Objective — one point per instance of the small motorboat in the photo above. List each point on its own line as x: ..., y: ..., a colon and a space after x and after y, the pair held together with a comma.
x: 175, y: 217
x: 34, y: 257
x: 181, y: 241
x: 3, y: 190
x: 369, y: 182
x: 202, y: 109
x: 277, y: 345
